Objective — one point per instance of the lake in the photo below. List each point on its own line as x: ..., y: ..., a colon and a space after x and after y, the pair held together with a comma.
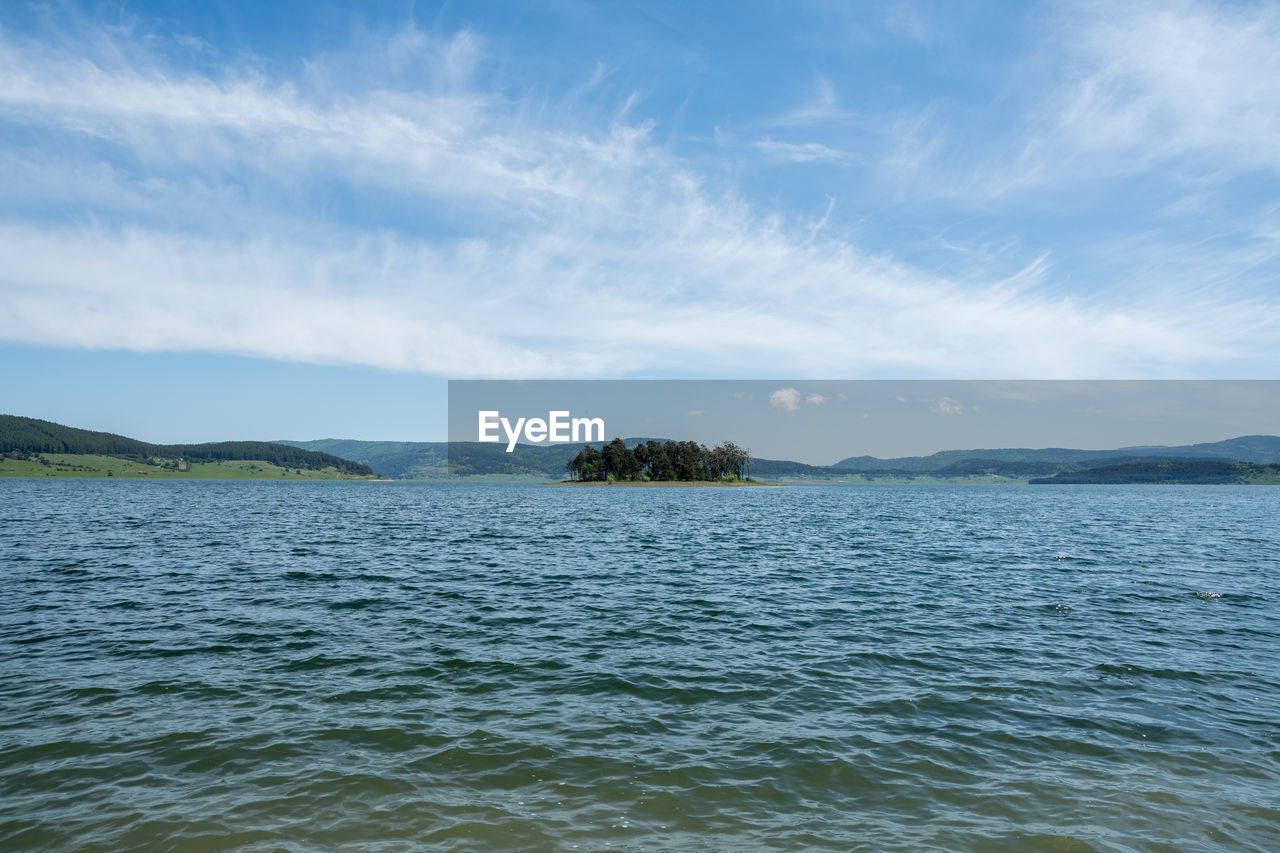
x: 395, y: 666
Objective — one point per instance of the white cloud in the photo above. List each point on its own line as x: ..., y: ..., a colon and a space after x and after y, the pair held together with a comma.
x: 821, y: 107
x: 552, y: 248
x: 816, y: 400
x: 792, y: 152
x: 1144, y: 83
x: 785, y: 398
x: 1174, y: 78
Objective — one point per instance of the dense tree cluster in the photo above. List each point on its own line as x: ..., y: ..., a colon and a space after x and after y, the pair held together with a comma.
x: 658, y: 460
x: 29, y: 435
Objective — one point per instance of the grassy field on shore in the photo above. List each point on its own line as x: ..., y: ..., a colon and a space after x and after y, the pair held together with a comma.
x: 92, y: 466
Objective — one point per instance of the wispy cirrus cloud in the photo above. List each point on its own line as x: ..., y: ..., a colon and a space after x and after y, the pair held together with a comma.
x: 822, y: 106
x: 799, y: 152
x: 246, y: 212
x: 1145, y: 84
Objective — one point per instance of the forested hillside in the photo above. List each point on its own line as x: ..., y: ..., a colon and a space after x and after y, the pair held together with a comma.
x: 30, y: 435
x: 1169, y: 471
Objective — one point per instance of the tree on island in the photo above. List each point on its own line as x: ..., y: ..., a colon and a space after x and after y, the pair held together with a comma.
x: 586, y: 465
x: 619, y: 462
x: 659, y: 461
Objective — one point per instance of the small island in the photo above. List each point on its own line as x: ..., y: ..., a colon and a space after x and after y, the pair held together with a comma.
x: 661, y: 463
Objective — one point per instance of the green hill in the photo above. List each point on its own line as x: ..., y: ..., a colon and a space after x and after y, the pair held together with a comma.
x: 400, y: 460
x: 27, y: 437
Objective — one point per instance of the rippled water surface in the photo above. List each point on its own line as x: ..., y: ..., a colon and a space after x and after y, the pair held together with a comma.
x: 206, y: 665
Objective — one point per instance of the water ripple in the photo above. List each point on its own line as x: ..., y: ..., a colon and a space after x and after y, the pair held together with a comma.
x: 300, y: 666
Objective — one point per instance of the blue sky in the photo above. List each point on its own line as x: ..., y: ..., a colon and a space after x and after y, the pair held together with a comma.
x: 267, y: 220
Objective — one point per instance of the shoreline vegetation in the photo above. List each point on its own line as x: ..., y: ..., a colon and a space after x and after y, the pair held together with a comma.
x: 1175, y: 472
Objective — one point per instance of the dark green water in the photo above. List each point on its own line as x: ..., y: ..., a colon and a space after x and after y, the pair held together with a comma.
x: 293, y: 666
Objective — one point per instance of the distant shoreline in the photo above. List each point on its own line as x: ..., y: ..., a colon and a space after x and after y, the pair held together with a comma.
x: 79, y: 466
x: 661, y: 483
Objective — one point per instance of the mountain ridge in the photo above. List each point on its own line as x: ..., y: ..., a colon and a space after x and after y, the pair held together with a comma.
x: 1259, y: 449
x: 430, y: 460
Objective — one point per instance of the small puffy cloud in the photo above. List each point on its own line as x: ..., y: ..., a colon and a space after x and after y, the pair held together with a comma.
x: 785, y: 398
x: 693, y: 413
x: 816, y: 399
x: 948, y: 406
x: 900, y: 398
